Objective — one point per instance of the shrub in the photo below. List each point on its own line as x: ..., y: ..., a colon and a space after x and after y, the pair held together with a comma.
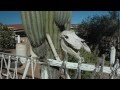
x: 7, y: 40
x: 90, y: 58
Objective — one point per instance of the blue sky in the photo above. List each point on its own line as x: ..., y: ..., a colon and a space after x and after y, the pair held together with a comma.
x: 78, y: 16
x: 13, y: 17
x: 10, y: 17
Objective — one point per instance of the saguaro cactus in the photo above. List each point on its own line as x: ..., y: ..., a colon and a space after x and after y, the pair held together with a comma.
x: 37, y: 23
x: 62, y: 19
x: 33, y: 26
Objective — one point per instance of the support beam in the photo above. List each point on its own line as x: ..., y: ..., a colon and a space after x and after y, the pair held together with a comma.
x: 84, y: 67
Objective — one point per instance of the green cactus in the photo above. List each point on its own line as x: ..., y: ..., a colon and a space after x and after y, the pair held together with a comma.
x: 33, y: 23
x: 37, y: 23
x: 62, y: 18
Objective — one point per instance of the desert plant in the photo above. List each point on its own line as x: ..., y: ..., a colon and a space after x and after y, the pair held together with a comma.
x: 90, y: 58
x: 7, y: 40
x: 97, y: 28
x: 37, y: 23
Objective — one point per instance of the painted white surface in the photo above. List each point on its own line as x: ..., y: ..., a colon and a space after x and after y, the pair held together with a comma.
x: 44, y: 72
x: 26, y: 69
x: 18, y: 39
x: 85, y: 67
x: 112, y: 55
x: 21, y: 49
x: 52, y: 47
x: 74, y: 40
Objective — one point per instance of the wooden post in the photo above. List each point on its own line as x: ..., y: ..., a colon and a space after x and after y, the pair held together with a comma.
x: 18, y: 39
x: 112, y: 55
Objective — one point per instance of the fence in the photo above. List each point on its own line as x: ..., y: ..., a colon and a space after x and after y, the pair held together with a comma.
x: 7, y: 71
x: 10, y: 66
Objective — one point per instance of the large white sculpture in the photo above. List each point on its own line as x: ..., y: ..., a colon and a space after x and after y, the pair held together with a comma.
x: 71, y: 44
